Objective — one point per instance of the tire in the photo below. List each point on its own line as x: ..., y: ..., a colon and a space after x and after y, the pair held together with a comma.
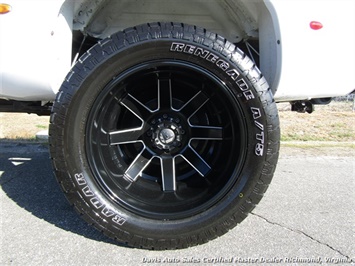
x: 164, y: 136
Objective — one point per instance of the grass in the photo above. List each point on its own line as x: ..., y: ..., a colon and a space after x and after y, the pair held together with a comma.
x: 18, y: 126
x: 42, y: 126
x: 331, y: 123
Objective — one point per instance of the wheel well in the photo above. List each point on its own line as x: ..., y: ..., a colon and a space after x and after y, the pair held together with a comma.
x: 252, y: 25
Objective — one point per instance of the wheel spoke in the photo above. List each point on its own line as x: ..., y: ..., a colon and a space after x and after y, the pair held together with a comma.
x: 196, y: 161
x: 168, y: 173
x: 138, y: 165
x: 206, y: 132
x: 164, y: 93
x: 194, y: 104
x: 141, y: 111
x: 125, y: 136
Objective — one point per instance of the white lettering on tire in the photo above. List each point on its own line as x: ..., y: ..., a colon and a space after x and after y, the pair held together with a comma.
x: 95, y: 201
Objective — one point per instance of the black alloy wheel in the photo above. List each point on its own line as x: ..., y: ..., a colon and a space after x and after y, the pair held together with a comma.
x: 164, y: 139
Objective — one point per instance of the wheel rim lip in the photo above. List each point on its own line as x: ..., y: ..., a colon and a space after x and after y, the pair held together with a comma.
x: 136, y: 207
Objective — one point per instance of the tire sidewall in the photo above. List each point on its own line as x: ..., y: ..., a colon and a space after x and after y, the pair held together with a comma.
x: 94, y: 80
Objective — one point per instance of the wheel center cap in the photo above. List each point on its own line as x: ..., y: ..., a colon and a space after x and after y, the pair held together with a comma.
x: 166, y: 135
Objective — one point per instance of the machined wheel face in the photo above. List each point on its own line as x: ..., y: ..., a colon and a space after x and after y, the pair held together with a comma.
x: 166, y: 139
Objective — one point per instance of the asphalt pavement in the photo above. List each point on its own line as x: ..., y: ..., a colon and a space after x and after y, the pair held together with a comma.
x: 306, y: 217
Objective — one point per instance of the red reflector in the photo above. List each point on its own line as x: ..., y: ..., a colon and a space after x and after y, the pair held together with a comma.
x: 315, y: 25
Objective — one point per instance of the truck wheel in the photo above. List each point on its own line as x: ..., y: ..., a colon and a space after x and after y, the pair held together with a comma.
x: 164, y: 136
